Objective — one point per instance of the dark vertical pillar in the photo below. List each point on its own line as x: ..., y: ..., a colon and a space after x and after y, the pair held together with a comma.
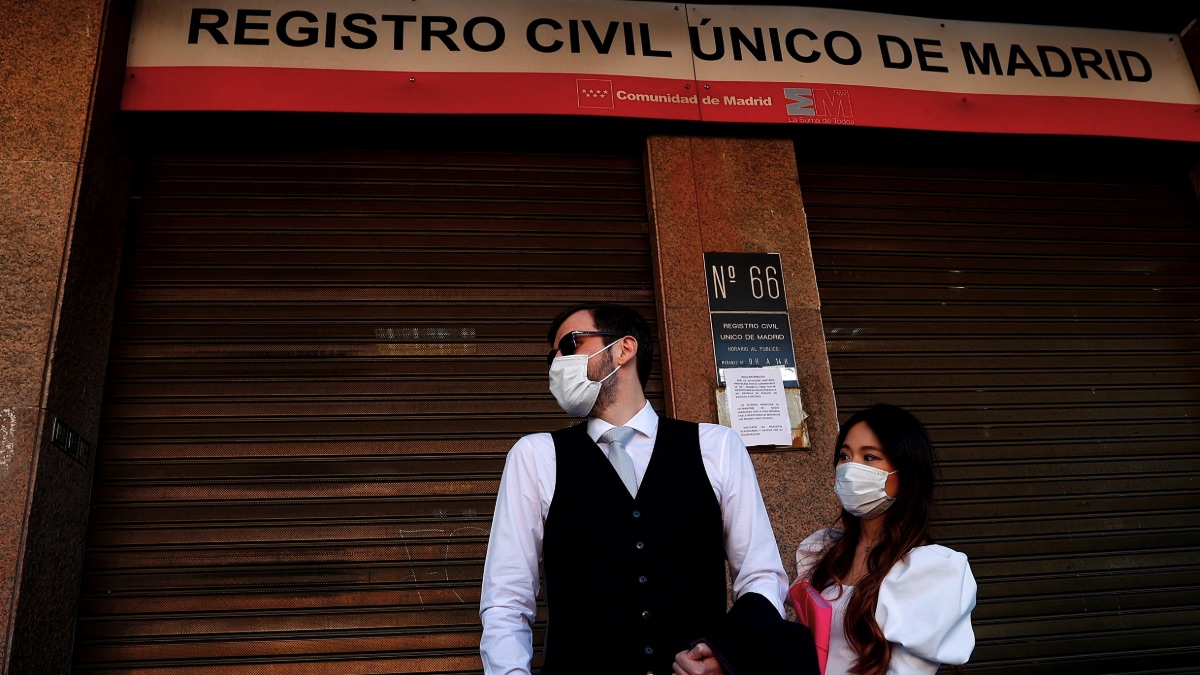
x: 1191, y: 48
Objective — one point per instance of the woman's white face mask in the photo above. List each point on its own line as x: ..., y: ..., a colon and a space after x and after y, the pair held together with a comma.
x: 575, y: 392
x: 861, y: 489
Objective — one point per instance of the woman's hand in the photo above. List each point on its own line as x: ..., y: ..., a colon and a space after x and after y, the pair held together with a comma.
x: 698, y: 660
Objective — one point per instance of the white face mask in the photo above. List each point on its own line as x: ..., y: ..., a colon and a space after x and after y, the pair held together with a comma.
x: 861, y: 489
x: 575, y: 392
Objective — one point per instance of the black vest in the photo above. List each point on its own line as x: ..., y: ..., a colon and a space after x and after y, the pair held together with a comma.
x: 630, y: 582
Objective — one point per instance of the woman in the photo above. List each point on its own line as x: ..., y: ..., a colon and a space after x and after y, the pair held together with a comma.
x: 901, y: 604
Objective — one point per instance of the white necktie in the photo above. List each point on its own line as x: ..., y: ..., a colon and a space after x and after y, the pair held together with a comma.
x: 616, y: 438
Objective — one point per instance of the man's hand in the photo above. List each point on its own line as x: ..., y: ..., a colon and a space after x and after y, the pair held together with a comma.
x: 698, y: 660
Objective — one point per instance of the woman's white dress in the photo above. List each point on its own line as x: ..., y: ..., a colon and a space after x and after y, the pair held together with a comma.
x: 924, y: 608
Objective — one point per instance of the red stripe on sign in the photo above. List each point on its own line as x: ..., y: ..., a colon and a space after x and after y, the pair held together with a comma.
x: 316, y: 90
x: 845, y: 105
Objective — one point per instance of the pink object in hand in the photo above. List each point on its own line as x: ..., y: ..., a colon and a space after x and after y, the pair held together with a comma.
x: 815, y: 612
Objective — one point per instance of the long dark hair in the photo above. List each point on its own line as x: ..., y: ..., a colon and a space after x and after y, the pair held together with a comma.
x: 905, y: 526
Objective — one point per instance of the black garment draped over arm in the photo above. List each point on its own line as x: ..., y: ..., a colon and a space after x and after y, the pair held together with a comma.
x: 753, y: 639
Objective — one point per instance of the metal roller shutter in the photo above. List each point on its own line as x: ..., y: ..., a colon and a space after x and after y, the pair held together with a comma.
x: 319, y: 361
x: 1044, y: 324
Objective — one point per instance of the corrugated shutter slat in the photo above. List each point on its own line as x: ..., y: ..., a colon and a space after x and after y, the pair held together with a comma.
x: 320, y: 359
x: 1043, y: 323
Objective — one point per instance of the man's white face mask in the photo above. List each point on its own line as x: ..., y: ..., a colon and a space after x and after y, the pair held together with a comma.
x: 575, y: 392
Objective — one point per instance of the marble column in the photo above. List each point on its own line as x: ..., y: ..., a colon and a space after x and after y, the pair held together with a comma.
x: 63, y: 190
x: 742, y: 195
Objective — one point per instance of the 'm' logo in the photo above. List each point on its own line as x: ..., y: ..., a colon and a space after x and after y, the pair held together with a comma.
x: 594, y: 93
x: 803, y: 101
x: 818, y: 102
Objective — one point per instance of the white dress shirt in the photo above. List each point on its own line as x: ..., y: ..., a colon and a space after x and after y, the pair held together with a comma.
x: 510, y: 572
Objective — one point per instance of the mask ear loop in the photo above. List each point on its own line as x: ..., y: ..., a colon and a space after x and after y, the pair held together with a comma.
x: 605, y: 378
x: 606, y: 348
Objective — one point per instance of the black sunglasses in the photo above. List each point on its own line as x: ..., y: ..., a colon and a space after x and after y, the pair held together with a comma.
x: 566, y: 345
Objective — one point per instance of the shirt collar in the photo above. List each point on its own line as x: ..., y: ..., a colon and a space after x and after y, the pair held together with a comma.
x: 645, y: 423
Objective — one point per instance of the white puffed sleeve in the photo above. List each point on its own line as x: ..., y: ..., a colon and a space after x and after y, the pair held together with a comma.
x: 924, y: 606
x: 811, y: 549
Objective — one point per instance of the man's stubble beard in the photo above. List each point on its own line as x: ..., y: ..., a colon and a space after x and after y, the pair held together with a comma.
x: 608, y: 388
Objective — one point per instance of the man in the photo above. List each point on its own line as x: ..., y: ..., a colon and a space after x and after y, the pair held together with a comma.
x: 635, y: 567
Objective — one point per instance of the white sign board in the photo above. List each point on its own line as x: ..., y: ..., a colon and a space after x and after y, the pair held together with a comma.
x: 758, y: 409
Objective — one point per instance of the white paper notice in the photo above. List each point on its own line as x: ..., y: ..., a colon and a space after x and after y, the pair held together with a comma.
x: 757, y: 406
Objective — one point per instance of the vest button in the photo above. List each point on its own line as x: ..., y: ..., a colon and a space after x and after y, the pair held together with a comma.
x: 640, y: 545
x: 642, y: 579
x: 637, y: 514
x: 646, y: 614
x: 649, y: 650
